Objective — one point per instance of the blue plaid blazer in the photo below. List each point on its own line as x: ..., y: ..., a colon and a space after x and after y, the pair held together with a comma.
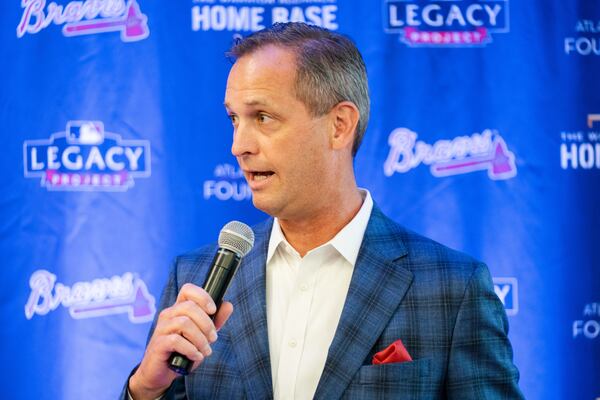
x: 439, y: 302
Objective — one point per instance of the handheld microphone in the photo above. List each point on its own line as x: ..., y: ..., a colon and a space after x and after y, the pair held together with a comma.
x: 235, y: 241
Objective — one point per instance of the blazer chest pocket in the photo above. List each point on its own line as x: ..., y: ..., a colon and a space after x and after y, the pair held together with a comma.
x: 407, y: 380
x: 410, y: 371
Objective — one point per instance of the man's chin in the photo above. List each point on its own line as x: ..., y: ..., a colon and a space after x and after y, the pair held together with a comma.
x: 264, y: 205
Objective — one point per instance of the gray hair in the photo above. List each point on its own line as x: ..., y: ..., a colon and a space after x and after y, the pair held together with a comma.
x: 329, y: 68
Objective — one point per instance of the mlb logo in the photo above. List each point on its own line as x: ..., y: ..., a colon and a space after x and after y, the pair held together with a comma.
x: 506, y: 290
x: 85, y: 132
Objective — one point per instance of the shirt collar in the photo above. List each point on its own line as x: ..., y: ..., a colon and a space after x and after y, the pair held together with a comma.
x: 347, y: 241
x: 276, y: 239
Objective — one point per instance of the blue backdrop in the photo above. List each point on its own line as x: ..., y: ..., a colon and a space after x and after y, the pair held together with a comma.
x: 485, y: 135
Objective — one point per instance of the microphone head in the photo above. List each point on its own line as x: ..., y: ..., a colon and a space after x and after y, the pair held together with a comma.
x: 237, y: 237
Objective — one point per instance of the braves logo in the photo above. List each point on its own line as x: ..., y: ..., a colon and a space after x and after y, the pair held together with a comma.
x: 486, y: 151
x: 119, y: 294
x: 85, y: 18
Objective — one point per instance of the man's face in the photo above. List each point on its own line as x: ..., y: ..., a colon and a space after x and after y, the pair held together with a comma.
x: 284, y: 151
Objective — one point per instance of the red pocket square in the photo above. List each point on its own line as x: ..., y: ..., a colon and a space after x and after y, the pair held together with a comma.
x: 394, y: 353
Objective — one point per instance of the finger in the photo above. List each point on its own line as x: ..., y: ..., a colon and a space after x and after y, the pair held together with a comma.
x: 184, y: 326
x: 189, y: 291
x: 169, y: 344
x: 190, y: 310
x: 223, y: 314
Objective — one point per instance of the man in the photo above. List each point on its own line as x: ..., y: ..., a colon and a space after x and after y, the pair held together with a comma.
x: 332, y: 285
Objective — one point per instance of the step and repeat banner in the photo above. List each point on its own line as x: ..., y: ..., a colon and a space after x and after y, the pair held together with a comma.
x: 485, y: 136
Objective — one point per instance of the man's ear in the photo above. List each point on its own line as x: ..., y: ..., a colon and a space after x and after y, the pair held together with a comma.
x: 345, y: 116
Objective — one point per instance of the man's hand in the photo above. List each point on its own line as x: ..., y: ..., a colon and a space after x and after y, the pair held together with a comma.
x: 185, y: 328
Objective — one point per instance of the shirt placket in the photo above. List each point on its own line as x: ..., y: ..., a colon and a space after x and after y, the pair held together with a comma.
x: 296, y: 323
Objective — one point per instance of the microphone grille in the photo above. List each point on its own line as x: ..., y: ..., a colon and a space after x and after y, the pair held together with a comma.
x: 237, y: 237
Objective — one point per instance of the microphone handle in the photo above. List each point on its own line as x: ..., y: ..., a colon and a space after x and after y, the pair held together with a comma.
x: 224, y: 266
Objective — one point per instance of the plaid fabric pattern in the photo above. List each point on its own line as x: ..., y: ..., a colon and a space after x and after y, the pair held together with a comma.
x: 440, y: 302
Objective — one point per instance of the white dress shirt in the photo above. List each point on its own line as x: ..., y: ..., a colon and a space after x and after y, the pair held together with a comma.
x: 305, y: 297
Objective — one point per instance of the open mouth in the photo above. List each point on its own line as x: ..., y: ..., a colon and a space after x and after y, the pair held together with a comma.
x: 260, y: 175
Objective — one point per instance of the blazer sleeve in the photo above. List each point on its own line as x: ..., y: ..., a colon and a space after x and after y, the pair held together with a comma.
x: 480, y: 364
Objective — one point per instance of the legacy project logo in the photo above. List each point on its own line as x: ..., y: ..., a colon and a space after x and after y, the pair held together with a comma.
x: 85, y: 157
x: 442, y: 23
x: 507, y: 291
x: 98, y: 298
x: 486, y: 151
x: 85, y: 18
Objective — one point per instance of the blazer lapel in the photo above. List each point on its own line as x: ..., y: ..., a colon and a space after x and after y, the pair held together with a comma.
x: 378, y: 285
x: 248, y: 324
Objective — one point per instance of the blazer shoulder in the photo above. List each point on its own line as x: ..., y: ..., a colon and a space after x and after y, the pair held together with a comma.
x: 425, y: 254
x: 425, y: 250
x: 440, y: 272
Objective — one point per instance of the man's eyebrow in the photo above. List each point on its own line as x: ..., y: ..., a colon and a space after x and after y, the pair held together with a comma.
x: 251, y: 102
x: 256, y: 102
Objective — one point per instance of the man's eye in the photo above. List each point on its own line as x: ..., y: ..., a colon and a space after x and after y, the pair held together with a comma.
x: 233, y: 118
x: 262, y: 118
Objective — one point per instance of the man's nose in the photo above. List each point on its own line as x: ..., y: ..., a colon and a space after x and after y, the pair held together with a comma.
x: 244, y: 140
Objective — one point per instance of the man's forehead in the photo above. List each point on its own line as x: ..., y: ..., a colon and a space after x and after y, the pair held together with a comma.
x: 271, y: 53
x: 263, y: 66
x: 261, y: 78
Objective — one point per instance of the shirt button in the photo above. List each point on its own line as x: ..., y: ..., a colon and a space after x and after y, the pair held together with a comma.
x: 304, y: 287
x: 292, y: 343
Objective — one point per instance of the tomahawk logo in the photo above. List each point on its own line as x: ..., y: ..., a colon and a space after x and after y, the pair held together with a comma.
x: 85, y: 18
x: 100, y: 297
x: 481, y: 151
x: 84, y: 157
x: 441, y: 23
